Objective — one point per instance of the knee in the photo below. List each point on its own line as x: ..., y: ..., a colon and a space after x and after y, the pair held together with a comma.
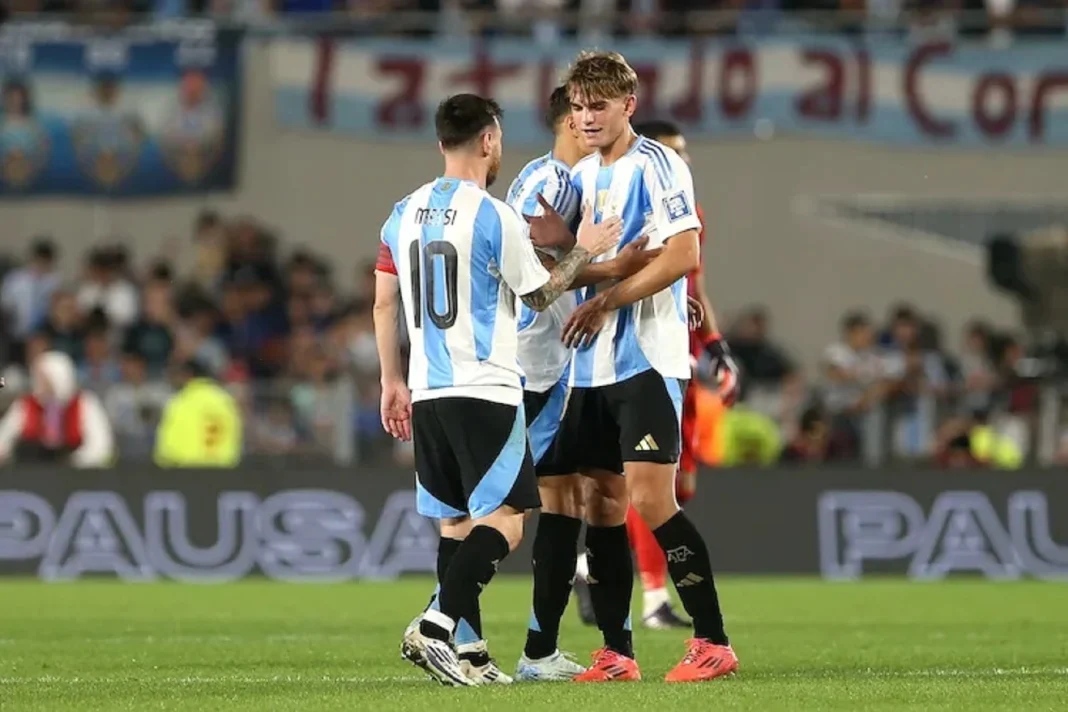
x: 508, y: 523
x: 563, y: 496
x: 654, y: 498
x: 607, y: 502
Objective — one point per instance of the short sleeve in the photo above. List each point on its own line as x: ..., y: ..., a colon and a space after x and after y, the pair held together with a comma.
x: 557, y: 190
x: 386, y: 260
x: 519, y: 265
x: 670, y: 187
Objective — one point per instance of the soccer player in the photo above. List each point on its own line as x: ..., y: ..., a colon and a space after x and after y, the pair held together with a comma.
x: 546, y: 364
x: 456, y: 258
x: 657, y: 611
x: 629, y: 371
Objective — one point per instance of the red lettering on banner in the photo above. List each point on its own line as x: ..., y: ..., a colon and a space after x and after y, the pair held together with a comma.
x: 994, y: 121
x: 1046, y: 85
x: 648, y: 77
x: 690, y: 108
x: 484, y: 73
x: 824, y: 102
x: 927, y: 122
x: 319, y: 98
x: 738, y: 66
x: 404, y: 109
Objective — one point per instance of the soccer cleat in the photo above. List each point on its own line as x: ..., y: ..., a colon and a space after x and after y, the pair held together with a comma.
x: 610, y: 666
x: 442, y: 664
x: 411, y: 647
x: 585, y: 602
x: 479, y: 667
x: 704, y: 661
x: 557, y: 667
x: 664, y: 617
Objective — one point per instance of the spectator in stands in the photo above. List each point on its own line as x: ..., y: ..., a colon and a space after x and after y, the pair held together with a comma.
x: 99, y: 369
x: 915, y: 376
x: 209, y: 251
x: 135, y: 405
x: 107, y: 289
x: 815, y: 441
x: 152, y: 336
x: 57, y: 420
x: 978, y: 376
x: 854, y: 373
x: 63, y: 327
x: 770, y: 381
x: 201, y: 425
x: 26, y: 293
x: 195, y: 337
x: 275, y: 434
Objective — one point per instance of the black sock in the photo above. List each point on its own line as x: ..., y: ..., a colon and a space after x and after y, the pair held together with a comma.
x: 446, y: 549
x: 554, y: 557
x: 691, y: 570
x: 611, y: 581
x: 471, y: 569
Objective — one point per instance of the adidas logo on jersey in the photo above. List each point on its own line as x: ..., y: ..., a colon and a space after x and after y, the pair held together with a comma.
x: 647, y: 444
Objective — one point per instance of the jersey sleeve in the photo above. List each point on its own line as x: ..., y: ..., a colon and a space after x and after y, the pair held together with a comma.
x: 557, y: 190
x: 670, y: 186
x: 519, y: 265
x: 386, y: 261
x: 700, y: 241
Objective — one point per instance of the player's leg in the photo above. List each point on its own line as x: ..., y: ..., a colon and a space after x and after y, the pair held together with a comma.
x: 650, y: 409
x: 490, y: 442
x: 556, y: 541
x: 439, y: 495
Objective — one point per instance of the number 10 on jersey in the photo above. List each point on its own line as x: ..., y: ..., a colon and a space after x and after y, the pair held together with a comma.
x: 440, y: 261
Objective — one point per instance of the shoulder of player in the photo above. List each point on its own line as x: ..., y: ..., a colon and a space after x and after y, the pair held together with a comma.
x: 506, y: 213
x: 661, y: 166
x: 584, y: 164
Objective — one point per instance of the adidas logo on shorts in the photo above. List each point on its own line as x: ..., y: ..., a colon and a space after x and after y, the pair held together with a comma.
x: 647, y: 444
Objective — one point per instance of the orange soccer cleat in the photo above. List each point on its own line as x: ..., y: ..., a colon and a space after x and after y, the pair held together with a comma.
x: 610, y: 666
x: 704, y: 661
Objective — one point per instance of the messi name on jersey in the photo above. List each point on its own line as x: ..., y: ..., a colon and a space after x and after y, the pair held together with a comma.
x: 438, y: 217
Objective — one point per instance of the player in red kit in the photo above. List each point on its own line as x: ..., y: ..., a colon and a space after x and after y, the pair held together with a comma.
x: 657, y: 611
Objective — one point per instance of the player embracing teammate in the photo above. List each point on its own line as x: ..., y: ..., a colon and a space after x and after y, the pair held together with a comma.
x: 613, y: 414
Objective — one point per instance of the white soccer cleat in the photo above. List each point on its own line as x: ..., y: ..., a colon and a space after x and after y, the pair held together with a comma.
x: 411, y: 644
x: 479, y: 666
x: 441, y: 662
x: 557, y: 667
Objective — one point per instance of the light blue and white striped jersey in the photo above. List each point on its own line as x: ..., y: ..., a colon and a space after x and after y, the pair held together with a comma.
x: 542, y: 354
x: 461, y: 257
x: 650, y: 188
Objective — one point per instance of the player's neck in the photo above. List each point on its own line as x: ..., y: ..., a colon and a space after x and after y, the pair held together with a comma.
x: 611, y: 154
x: 465, y: 170
x: 567, y: 152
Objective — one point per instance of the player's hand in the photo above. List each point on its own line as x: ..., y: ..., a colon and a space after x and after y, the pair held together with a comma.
x: 549, y: 230
x: 724, y: 369
x: 397, y: 410
x: 633, y: 257
x: 695, y: 310
x: 601, y: 237
x: 585, y: 322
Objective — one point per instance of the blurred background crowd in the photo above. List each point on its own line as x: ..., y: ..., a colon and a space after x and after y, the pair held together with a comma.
x: 269, y: 323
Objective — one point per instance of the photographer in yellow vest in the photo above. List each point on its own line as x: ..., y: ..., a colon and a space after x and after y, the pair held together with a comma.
x: 201, y: 424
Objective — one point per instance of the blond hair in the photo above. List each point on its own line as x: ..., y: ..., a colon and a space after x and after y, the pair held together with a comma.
x: 601, y: 75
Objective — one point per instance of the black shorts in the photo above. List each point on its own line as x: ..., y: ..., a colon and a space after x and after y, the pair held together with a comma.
x: 471, y: 457
x: 636, y: 420
x: 545, y: 413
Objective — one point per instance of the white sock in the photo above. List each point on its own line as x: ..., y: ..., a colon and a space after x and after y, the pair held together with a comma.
x: 654, y: 599
x: 582, y: 569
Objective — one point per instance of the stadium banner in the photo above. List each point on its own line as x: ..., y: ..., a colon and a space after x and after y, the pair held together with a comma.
x: 881, y: 90
x: 142, y: 111
x: 341, y: 524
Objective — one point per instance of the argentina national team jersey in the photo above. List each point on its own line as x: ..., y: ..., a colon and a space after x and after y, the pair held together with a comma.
x: 542, y: 354
x: 461, y: 257
x: 650, y: 188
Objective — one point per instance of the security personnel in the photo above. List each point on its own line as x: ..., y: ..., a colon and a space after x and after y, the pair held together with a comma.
x: 201, y: 424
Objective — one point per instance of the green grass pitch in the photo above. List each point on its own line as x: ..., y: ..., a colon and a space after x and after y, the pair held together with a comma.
x: 257, y: 645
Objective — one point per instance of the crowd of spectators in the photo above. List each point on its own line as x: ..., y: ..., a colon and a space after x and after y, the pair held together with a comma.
x: 299, y: 355
x: 551, y: 19
x: 296, y: 351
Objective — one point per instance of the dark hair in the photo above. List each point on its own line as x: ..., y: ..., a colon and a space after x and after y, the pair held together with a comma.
x: 657, y: 129
x: 17, y: 85
x: 463, y: 117
x: 855, y: 320
x: 43, y: 249
x: 559, y: 107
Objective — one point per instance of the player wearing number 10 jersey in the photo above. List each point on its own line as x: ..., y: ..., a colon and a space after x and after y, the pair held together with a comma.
x: 457, y: 258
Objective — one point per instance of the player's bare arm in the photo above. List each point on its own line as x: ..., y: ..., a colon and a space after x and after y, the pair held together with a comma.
x: 630, y: 260
x: 592, y: 240
x: 681, y: 255
x: 396, y: 400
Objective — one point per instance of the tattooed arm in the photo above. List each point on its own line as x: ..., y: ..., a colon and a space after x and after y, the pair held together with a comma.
x: 560, y: 280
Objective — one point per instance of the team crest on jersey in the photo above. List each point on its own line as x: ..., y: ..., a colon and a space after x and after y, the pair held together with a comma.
x: 677, y: 206
x: 602, y: 198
